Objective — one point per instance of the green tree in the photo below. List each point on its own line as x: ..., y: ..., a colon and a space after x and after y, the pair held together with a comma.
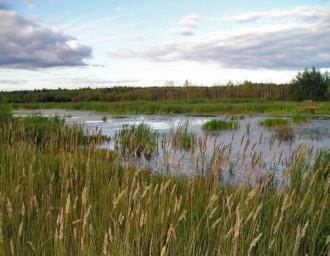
x: 309, y: 85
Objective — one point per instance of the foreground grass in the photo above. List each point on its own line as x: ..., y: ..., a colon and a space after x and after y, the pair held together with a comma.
x: 68, y: 199
x: 192, y: 107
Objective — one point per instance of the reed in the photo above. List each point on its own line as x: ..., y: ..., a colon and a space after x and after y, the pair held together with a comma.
x: 220, y: 125
x: 137, y: 140
x: 231, y: 106
x: 301, y: 119
x: 5, y: 114
x: 80, y: 200
x: 285, y: 133
x: 181, y: 137
x: 274, y: 122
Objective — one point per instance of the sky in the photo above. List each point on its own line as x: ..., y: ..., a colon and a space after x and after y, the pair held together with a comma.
x: 104, y: 43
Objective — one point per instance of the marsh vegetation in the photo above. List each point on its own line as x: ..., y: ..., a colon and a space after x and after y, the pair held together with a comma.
x: 137, y: 140
x: 181, y: 137
x: 220, y: 125
x: 274, y: 122
x: 195, y: 107
x: 87, y: 200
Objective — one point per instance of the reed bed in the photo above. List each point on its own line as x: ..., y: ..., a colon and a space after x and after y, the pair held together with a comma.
x: 233, y: 106
x: 274, y: 122
x: 69, y: 198
x: 301, y: 119
x: 220, y: 125
x: 182, y: 138
x: 137, y: 140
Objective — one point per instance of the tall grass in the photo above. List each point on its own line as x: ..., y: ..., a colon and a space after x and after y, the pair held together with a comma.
x: 187, y: 106
x: 301, y: 119
x: 81, y: 200
x: 274, y: 122
x: 220, y: 125
x: 137, y: 140
x: 5, y: 114
x: 284, y: 133
x: 182, y: 138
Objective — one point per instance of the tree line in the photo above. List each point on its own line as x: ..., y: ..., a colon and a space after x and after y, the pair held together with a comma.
x: 311, y: 84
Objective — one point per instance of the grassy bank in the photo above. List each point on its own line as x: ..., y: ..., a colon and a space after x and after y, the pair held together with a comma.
x: 190, y: 107
x: 69, y: 198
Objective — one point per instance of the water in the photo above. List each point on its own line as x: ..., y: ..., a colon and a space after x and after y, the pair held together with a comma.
x: 246, y: 155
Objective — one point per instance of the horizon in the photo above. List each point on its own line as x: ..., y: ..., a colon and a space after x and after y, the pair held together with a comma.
x: 72, y: 45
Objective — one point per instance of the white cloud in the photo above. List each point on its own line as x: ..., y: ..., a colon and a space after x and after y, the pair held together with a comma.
x: 292, y: 46
x: 95, y: 81
x: 27, y: 45
x: 191, y: 20
x: 298, y: 13
x: 186, y: 26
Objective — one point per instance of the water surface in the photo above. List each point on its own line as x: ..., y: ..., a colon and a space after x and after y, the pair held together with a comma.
x: 245, y: 155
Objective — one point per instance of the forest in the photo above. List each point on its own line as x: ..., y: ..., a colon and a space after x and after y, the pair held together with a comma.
x: 311, y: 84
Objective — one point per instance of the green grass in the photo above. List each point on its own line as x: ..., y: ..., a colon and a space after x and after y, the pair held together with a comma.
x: 55, y: 201
x: 301, y: 119
x: 187, y: 107
x: 5, y: 114
x: 274, y: 122
x: 137, y: 140
x: 80, y: 200
x: 220, y: 125
x: 182, y: 138
x: 44, y: 130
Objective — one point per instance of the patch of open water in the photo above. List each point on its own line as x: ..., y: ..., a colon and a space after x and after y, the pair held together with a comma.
x: 246, y: 155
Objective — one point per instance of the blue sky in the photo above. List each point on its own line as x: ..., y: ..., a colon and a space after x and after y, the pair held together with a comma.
x: 60, y: 43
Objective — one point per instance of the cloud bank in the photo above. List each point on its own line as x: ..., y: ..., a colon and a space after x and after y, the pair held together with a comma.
x: 27, y: 45
x: 295, y: 45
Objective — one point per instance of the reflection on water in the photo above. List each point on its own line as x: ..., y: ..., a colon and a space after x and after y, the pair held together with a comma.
x: 244, y: 155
